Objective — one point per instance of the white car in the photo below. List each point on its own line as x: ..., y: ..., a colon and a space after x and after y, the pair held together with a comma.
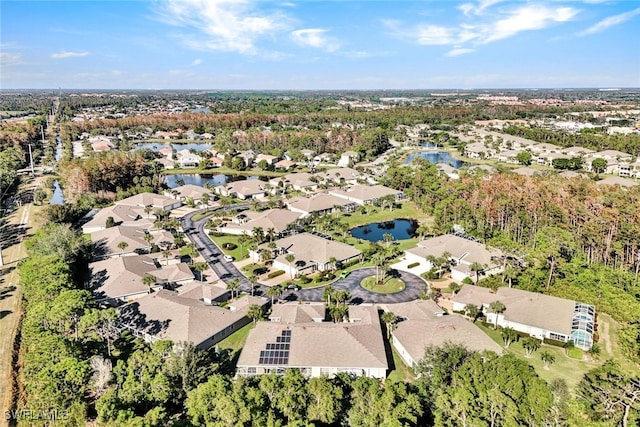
x: 228, y: 258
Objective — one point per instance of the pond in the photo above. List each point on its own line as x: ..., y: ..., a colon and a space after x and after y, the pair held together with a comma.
x: 58, y: 197
x: 157, y: 146
x: 400, y: 229
x: 200, y: 179
x: 436, y: 157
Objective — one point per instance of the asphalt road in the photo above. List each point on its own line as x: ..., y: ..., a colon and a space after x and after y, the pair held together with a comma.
x: 194, y: 230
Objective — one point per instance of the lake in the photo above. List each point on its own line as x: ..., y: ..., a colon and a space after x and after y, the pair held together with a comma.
x: 400, y: 229
x: 436, y: 157
x: 58, y: 197
x: 200, y: 179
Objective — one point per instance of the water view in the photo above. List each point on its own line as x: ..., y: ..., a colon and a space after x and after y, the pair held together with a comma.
x: 436, y: 157
x: 58, y: 197
x: 400, y: 229
x: 202, y: 179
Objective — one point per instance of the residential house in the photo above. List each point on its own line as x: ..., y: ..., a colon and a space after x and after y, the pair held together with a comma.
x: 151, y: 200
x: 316, y: 348
x: 120, y: 278
x: 509, y: 156
x: 422, y: 323
x: 187, y: 159
x: 576, y: 151
x: 106, y: 241
x: 348, y: 158
x: 248, y: 157
x: 463, y: 253
x: 277, y: 220
x: 245, y: 189
x: 312, y: 253
x: 181, y: 318
x: 367, y: 194
x: 298, y: 181
x: 285, y: 164
x: 121, y: 215
x: 477, y: 150
x: 269, y: 159
x: 541, y: 316
x: 190, y: 192
x: 631, y: 170
x: 320, y: 204
x: 340, y: 175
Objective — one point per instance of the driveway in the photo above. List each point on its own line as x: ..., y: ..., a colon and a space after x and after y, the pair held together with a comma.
x: 194, y: 230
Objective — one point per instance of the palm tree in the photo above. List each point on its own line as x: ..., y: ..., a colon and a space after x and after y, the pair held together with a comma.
x: 389, y: 319
x: 148, y: 238
x: 149, y: 280
x: 332, y: 263
x: 254, y: 312
x: 290, y: 258
x: 594, y: 351
x: 477, y: 268
x: 165, y: 254
x: 233, y: 285
x: 498, y: 308
x: 253, y: 279
x: 122, y: 246
x: 258, y: 234
x: 327, y: 293
x: 509, y: 335
x: 274, y: 291
x: 147, y: 210
x: 271, y: 234
x: 388, y: 238
x: 530, y: 345
x: 454, y: 288
x: 472, y: 311
x: 547, y: 359
x: 200, y: 267
x: 242, y: 240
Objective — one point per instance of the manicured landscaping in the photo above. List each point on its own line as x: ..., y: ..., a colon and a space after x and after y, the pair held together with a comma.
x: 199, y: 216
x: 391, y: 285
x: 376, y: 214
x: 238, y: 253
x: 401, y: 372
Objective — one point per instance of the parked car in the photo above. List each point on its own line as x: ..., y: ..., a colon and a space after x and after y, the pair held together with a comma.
x: 344, y: 274
x: 228, y: 258
x: 292, y: 287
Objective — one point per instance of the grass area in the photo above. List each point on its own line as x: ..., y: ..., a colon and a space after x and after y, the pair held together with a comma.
x: 391, y: 285
x: 613, y: 351
x: 564, y: 367
x: 238, y: 253
x: 199, y: 216
x: 375, y: 214
x: 401, y: 373
x: 233, y: 345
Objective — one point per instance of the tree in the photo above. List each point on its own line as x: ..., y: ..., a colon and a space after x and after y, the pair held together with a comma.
x: 472, y: 311
x: 290, y: 258
x: 201, y: 267
x: 148, y: 238
x: 610, y: 394
x: 454, y: 288
x: 599, y: 165
x: 110, y: 222
x: 254, y: 312
x: 327, y: 293
x: 233, y: 285
x: 165, y: 254
x: 594, y: 352
x: 149, y: 280
x: 100, y: 323
x: 122, y: 246
x: 498, y: 308
x: 389, y: 319
x: 477, y: 268
x: 258, y: 234
x: 524, y: 158
x: 253, y: 279
x: 388, y: 238
x: 509, y: 335
x: 530, y: 345
x: 273, y: 292
x: 547, y: 358
x: 325, y: 401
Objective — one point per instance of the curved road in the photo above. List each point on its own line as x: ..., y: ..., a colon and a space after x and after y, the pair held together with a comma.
x: 194, y: 230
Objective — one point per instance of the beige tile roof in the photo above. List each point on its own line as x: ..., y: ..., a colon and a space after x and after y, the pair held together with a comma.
x: 148, y: 199
x: 298, y: 313
x: 311, y: 248
x: 528, y: 308
x: 199, y: 290
x: 365, y: 192
x: 191, y: 191
x: 347, y: 174
x: 325, y: 344
x: 133, y: 236
x: 278, y: 219
x: 460, y: 248
x: 316, y: 202
x: 167, y: 315
x: 120, y: 214
x: 247, y: 187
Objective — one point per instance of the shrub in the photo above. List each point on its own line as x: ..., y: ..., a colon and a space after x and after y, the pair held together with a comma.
x: 467, y: 281
x: 555, y: 343
x: 229, y: 246
x: 275, y: 273
x: 216, y: 234
x: 304, y: 280
x: 259, y: 271
x: 413, y: 264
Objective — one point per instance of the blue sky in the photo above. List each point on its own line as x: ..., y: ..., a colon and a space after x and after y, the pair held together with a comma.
x: 339, y: 44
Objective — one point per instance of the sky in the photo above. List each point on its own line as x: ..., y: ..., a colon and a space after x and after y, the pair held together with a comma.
x: 323, y: 45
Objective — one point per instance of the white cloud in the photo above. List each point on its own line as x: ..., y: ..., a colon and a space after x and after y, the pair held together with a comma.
x: 527, y: 18
x: 8, y: 59
x: 472, y: 9
x: 64, y: 55
x: 435, y: 35
x: 196, y: 62
x: 610, y: 22
x: 315, y: 37
x: 459, y: 51
x: 222, y: 25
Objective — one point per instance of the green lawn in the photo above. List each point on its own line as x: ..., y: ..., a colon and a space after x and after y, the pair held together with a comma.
x: 233, y: 344
x: 238, y: 253
x: 401, y: 373
x: 567, y: 368
x: 375, y: 214
x: 391, y: 285
x: 198, y: 217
